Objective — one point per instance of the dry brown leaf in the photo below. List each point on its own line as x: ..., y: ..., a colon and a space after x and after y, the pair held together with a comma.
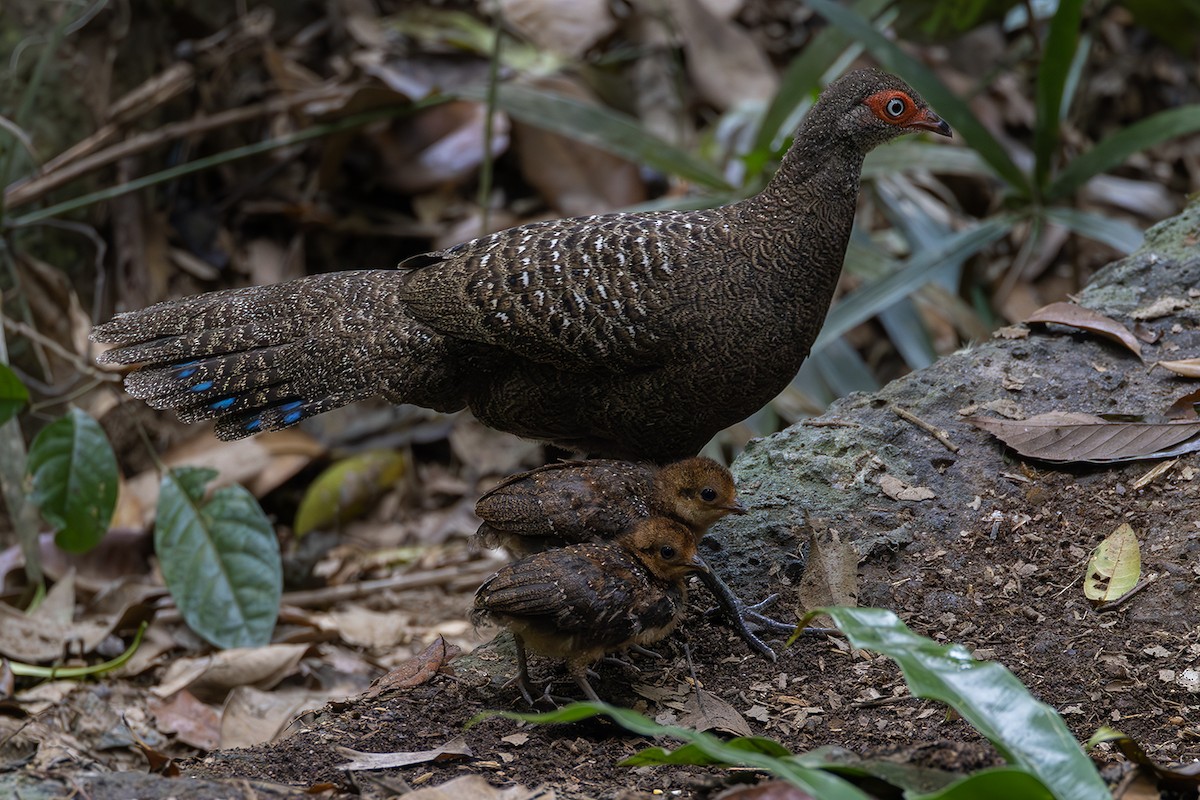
x: 46, y: 633
x: 1114, y: 567
x: 193, y: 723
x: 211, y: 677
x: 252, y: 716
x: 704, y: 711
x: 476, y: 787
x: 1086, y: 319
x: 455, y: 748
x: 768, y: 790
x: 567, y: 27
x: 897, y: 489
x: 1064, y: 436
x: 1188, y: 367
x: 1162, y: 307
x: 726, y: 64
x: 831, y: 575
x: 416, y: 670
x: 1184, y: 407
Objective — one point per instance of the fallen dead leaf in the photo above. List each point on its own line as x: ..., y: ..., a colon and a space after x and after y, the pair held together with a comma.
x: 897, y: 489
x: 193, y: 723
x: 252, y: 716
x: 211, y: 677
x: 475, y: 787
x: 1068, y: 436
x: 455, y: 748
x: 1162, y: 307
x: 704, y: 711
x: 1188, y: 367
x: 1114, y: 566
x: 831, y: 575
x: 416, y: 670
x: 515, y: 739
x: 1086, y: 319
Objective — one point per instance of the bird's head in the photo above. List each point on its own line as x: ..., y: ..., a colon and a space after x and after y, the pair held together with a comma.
x: 697, y: 492
x: 869, y: 107
x: 666, y: 548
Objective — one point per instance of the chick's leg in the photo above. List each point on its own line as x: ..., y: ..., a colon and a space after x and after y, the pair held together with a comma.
x: 745, y: 618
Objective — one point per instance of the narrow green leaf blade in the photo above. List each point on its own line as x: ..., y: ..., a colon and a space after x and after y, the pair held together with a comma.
x: 1028, y: 733
x: 1113, y: 151
x: 600, y: 127
x: 13, y: 394
x: 814, y: 781
x: 948, y: 105
x: 220, y: 559
x: 997, y: 783
x: 74, y: 476
x: 1058, y: 53
x: 861, y: 305
x: 1113, y: 232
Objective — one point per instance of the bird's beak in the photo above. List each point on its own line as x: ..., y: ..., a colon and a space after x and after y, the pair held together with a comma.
x: 697, y: 564
x: 735, y: 508
x: 929, y: 121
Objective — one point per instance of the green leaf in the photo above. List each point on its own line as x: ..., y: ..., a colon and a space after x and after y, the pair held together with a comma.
x: 693, y: 754
x: 861, y: 305
x: 814, y: 781
x: 600, y: 127
x: 1028, y: 733
x: 1113, y: 151
x: 345, y: 490
x: 74, y: 476
x: 909, y: 154
x: 1058, y: 52
x: 1115, y: 233
x: 13, y: 394
x: 220, y: 559
x: 997, y: 783
x: 802, y: 77
x: 947, y: 104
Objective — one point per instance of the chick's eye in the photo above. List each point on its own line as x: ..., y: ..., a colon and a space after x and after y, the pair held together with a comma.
x: 667, y: 552
x: 708, y: 494
x: 895, y: 107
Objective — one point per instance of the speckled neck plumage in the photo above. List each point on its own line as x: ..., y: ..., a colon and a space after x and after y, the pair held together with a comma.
x: 623, y: 334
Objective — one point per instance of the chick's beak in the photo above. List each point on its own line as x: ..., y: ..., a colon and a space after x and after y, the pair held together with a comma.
x: 735, y: 508
x: 929, y: 121
x: 697, y: 564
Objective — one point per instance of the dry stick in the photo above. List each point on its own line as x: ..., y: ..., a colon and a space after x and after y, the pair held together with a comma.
x: 937, y: 433
x: 317, y: 598
x: 1113, y: 605
x: 21, y: 193
x: 80, y: 364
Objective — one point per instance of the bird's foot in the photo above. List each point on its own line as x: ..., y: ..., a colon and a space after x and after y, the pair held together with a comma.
x: 617, y: 661
x: 751, y: 616
x: 642, y: 651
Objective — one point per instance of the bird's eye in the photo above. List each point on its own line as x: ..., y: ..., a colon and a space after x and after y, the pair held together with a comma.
x: 895, y: 107
x: 708, y: 494
x: 667, y: 552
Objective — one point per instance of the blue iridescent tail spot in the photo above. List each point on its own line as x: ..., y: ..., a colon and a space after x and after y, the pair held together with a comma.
x: 186, y: 370
x: 202, y: 387
x: 254, y: 424
x: 222, y: 404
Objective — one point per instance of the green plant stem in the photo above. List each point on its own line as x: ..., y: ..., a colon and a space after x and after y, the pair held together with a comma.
x: 486, y: 169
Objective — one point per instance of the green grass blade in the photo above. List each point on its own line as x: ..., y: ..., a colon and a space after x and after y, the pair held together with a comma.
x: 907, y: 155
x: 997, y: 783
x: 803, y: 76
x: 1115, y: 149
x: 950, y: 106
x: 865, y: 303
x: 816, y: 782
x: 600, y: 127
x: 1028, y: 733
x: 1112, y: 232
x: 1058, y: 53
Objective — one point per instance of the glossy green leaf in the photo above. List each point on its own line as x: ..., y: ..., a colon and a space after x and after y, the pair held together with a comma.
x: 1028, y: 733
x: 13, y: 394
x: 345, y: 490
x: 74, y: 476
x: 861, y: 305
x: 998, y: 783
x: 1115, y: 233
x: 950, y: 106
x: 803, y: 77
x: 600, y: 127
x: 1058, y: 53
x: 1114, y: 150
x: 814, y: 781
x: 695, y: 755
x: 220, y: 559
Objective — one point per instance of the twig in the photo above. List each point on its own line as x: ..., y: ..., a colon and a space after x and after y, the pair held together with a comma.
x: 1113, y: 605
x: 937, y: 433
x: 80, y: 364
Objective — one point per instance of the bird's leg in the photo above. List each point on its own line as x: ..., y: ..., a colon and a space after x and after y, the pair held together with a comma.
x: 642, y: 651
x: 745, y: 619
x: 579, y: 673
x: 522, y: 678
